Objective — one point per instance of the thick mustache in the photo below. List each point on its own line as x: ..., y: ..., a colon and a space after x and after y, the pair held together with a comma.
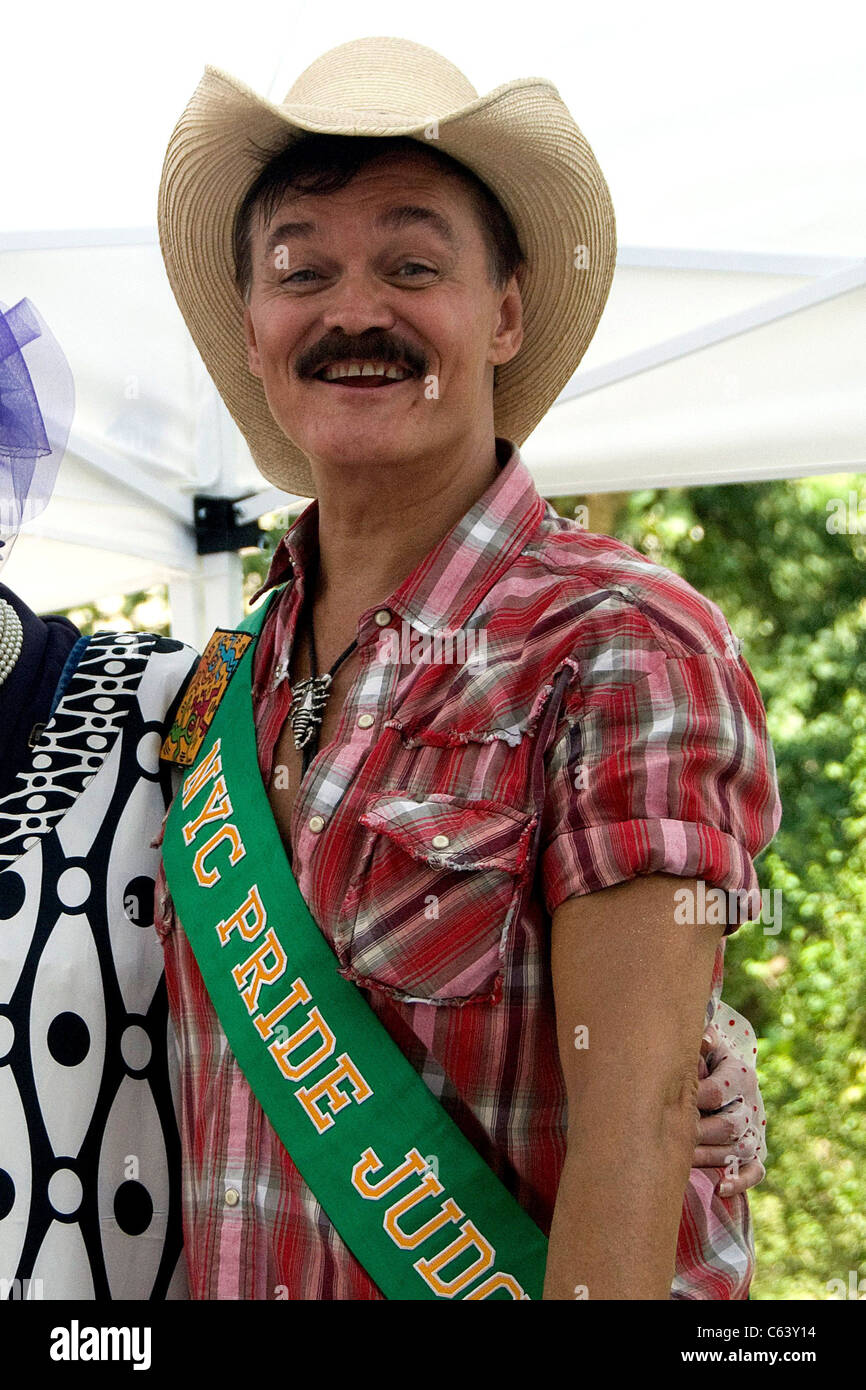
x: 370, y: 349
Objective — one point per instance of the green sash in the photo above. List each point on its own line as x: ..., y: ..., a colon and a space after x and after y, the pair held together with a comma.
x: 408, y: 1193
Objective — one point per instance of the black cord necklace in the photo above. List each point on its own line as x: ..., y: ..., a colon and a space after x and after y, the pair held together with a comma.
x: 310, y: 696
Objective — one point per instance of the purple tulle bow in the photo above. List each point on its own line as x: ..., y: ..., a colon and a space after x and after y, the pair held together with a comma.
x: 36, y: 406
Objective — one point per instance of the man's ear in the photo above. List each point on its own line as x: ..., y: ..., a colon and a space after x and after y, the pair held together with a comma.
x: 253, y: 358
x: 508, y: 334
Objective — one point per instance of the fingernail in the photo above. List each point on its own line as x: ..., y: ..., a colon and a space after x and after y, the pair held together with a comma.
x: 725, y: 1189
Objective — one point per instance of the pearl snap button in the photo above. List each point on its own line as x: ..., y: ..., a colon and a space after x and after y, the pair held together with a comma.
x: 383, y: 617
x: 232, y: 1197
x: 365, y: 721
x: 316, y: 823
x: 441, y: 841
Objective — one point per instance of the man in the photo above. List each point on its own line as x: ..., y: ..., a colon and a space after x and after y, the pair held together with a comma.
x: 489, y: 831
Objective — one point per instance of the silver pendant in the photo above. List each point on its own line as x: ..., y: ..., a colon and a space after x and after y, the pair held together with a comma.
x: 308, y: 707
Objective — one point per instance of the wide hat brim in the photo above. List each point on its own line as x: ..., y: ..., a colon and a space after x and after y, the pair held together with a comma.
x: 520, y: 140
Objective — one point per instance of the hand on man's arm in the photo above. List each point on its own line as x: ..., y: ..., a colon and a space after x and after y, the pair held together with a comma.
x: 632, y: 1093
x: 731, y: 1125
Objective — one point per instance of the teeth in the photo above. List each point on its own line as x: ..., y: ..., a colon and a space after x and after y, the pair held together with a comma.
x: 337, y: 370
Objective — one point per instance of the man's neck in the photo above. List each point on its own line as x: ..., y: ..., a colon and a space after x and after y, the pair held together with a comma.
x: 372, y: 538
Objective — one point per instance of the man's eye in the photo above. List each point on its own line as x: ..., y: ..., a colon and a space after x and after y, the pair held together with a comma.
x: 416, y: 265
x: 292, y: 278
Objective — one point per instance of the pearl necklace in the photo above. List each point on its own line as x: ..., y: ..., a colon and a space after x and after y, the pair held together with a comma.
x: 11, y: 638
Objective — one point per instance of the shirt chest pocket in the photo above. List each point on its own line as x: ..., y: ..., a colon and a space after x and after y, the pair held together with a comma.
x: 427, y: 916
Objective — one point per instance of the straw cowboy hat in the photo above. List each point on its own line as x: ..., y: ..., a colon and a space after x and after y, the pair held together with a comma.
x: 520, y: 140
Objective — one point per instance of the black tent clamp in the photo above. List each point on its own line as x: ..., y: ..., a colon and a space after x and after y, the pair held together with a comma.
x: 217, y: 527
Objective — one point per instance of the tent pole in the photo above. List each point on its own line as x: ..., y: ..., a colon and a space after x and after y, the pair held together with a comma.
x: 210, y: 596
x: 851, y: 277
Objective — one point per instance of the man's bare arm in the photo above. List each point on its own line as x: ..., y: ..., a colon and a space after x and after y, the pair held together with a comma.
x: 632, y: 1090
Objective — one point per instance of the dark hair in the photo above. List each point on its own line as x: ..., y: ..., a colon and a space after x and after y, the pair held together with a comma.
x: 326, y: 163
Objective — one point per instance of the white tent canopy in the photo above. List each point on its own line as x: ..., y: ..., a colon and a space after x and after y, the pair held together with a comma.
x: 150, y: 432
x: 710, y: 364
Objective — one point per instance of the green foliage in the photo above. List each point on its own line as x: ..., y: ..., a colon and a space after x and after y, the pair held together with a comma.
x: 257, y: 562
x: 144, y: 611
x: 795, y: 592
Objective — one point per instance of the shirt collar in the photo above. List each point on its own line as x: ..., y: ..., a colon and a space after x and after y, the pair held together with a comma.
x: 454, y: 576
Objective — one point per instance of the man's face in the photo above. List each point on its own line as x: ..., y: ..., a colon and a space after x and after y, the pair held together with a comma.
x: 390, y: 270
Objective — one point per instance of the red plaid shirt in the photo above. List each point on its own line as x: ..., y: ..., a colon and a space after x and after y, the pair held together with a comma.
x: 607, y: 728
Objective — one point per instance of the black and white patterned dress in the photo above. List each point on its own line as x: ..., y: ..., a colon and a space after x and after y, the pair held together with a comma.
x: 89, y: 1149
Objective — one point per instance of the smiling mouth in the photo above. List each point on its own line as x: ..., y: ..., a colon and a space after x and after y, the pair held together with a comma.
x: 364, y: 375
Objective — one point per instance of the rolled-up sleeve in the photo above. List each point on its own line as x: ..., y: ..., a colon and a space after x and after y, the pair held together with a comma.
x: 669, y: 770
x: 662, y: 763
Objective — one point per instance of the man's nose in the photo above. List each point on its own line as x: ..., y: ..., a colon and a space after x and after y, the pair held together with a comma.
x: 358, y: 302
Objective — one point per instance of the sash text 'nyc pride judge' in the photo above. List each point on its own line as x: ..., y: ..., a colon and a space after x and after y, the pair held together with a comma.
x: 311, y: 1086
